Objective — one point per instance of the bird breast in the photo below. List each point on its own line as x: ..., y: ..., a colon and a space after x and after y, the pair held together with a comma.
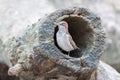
x: 63, y: 41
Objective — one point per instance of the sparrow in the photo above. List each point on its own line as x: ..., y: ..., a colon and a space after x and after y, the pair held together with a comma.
x: 64, y: 39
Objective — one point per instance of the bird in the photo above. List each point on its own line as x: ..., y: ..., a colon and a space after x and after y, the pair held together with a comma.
x: 64, y: 39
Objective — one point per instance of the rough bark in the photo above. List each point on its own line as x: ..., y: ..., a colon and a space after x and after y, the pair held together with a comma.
x: 85, y: 28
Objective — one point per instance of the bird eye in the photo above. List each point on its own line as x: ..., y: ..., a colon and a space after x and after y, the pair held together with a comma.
x: 60, y: 24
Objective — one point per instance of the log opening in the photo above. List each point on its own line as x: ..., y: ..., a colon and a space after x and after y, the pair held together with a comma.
x: 81, y: 32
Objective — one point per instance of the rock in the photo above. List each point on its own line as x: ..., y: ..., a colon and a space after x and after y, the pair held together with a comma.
x: 106, y: 72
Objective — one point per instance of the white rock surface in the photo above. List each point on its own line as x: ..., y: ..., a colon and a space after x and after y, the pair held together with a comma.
x: 106, y: 72
x: 15, y: 15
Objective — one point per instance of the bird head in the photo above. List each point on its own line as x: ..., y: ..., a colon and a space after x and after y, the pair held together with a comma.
x: 64, y: 24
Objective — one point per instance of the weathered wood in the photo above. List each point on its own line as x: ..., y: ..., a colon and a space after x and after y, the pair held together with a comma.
x: 39, y: 57
x: 85, y: 28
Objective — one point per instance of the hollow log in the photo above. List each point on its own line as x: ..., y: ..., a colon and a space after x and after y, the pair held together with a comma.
x: 88, y: 34
x: 36, y: 55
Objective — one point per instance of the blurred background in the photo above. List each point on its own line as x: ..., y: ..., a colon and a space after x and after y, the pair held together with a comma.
x: 15, y: 15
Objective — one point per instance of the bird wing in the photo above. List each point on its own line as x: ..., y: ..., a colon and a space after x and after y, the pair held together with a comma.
x: 72, y: 42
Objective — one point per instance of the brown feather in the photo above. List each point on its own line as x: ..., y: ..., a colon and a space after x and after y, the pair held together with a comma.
x: 72, y: 42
